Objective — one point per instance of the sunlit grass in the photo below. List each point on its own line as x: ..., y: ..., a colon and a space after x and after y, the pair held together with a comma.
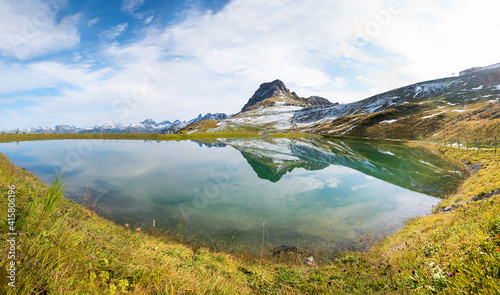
x: 486, y: 180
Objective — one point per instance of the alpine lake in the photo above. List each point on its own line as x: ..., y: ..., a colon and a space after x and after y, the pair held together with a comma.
x: 248, y: 195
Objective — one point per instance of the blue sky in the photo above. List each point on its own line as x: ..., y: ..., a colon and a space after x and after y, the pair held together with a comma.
x: 92, y: 62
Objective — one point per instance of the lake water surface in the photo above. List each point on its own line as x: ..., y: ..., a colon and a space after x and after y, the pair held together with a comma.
x: 312, y: 193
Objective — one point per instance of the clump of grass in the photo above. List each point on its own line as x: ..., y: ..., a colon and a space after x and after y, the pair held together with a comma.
x: 53, y: 195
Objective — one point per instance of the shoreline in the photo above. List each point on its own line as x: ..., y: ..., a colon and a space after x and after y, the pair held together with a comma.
x: 10, y: 137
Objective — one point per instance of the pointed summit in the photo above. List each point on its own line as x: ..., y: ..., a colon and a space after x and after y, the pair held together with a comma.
x: 266, y: 90
x: 271, y: 89
x: 277, y: 89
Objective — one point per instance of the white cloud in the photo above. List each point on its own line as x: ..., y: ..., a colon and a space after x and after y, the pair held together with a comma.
x: 93, y: 21
x: 81, y: 89
x: 148, y: 19
x: 131, y: 5
x: 436, y: 38
x: 29, y: 29
x: 339, y: 82
x: 248, y: 47
x: 114, y: 31
x: 23, y: 77
x: 77, y: 56
x: 361, y: 78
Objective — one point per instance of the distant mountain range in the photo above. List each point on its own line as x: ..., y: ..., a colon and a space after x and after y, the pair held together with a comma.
x: 146, y: 126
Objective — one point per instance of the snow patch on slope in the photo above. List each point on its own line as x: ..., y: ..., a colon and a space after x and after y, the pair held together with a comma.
x: 348, y: 129
x: 277, y: 116
x: 388, y: 121
x: 430, y: 116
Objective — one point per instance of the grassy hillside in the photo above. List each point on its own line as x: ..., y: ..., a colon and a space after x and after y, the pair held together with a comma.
x: 413, y: 121
x: 465, y: 108
x: 63, y: 248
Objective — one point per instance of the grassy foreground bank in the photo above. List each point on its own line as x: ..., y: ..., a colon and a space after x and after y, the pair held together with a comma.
x: 63, y: 248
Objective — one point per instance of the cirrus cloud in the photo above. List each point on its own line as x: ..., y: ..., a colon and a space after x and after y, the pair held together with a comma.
x: 29, y: 28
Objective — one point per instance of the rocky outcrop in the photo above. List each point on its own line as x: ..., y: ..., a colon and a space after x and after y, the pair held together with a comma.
x: 265, y: 91
x: 316, y: 101
x: 473, y: 168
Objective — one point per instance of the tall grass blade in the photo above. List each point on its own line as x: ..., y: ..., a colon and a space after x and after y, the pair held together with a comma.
x: 54, y: 194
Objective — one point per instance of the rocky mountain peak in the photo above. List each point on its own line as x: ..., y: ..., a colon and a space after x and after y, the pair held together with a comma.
x: 278, y: 89
x: 267, y: 90
x: 271, y: 89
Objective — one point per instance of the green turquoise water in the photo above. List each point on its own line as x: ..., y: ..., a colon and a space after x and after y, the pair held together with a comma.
x: 312, y: 193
